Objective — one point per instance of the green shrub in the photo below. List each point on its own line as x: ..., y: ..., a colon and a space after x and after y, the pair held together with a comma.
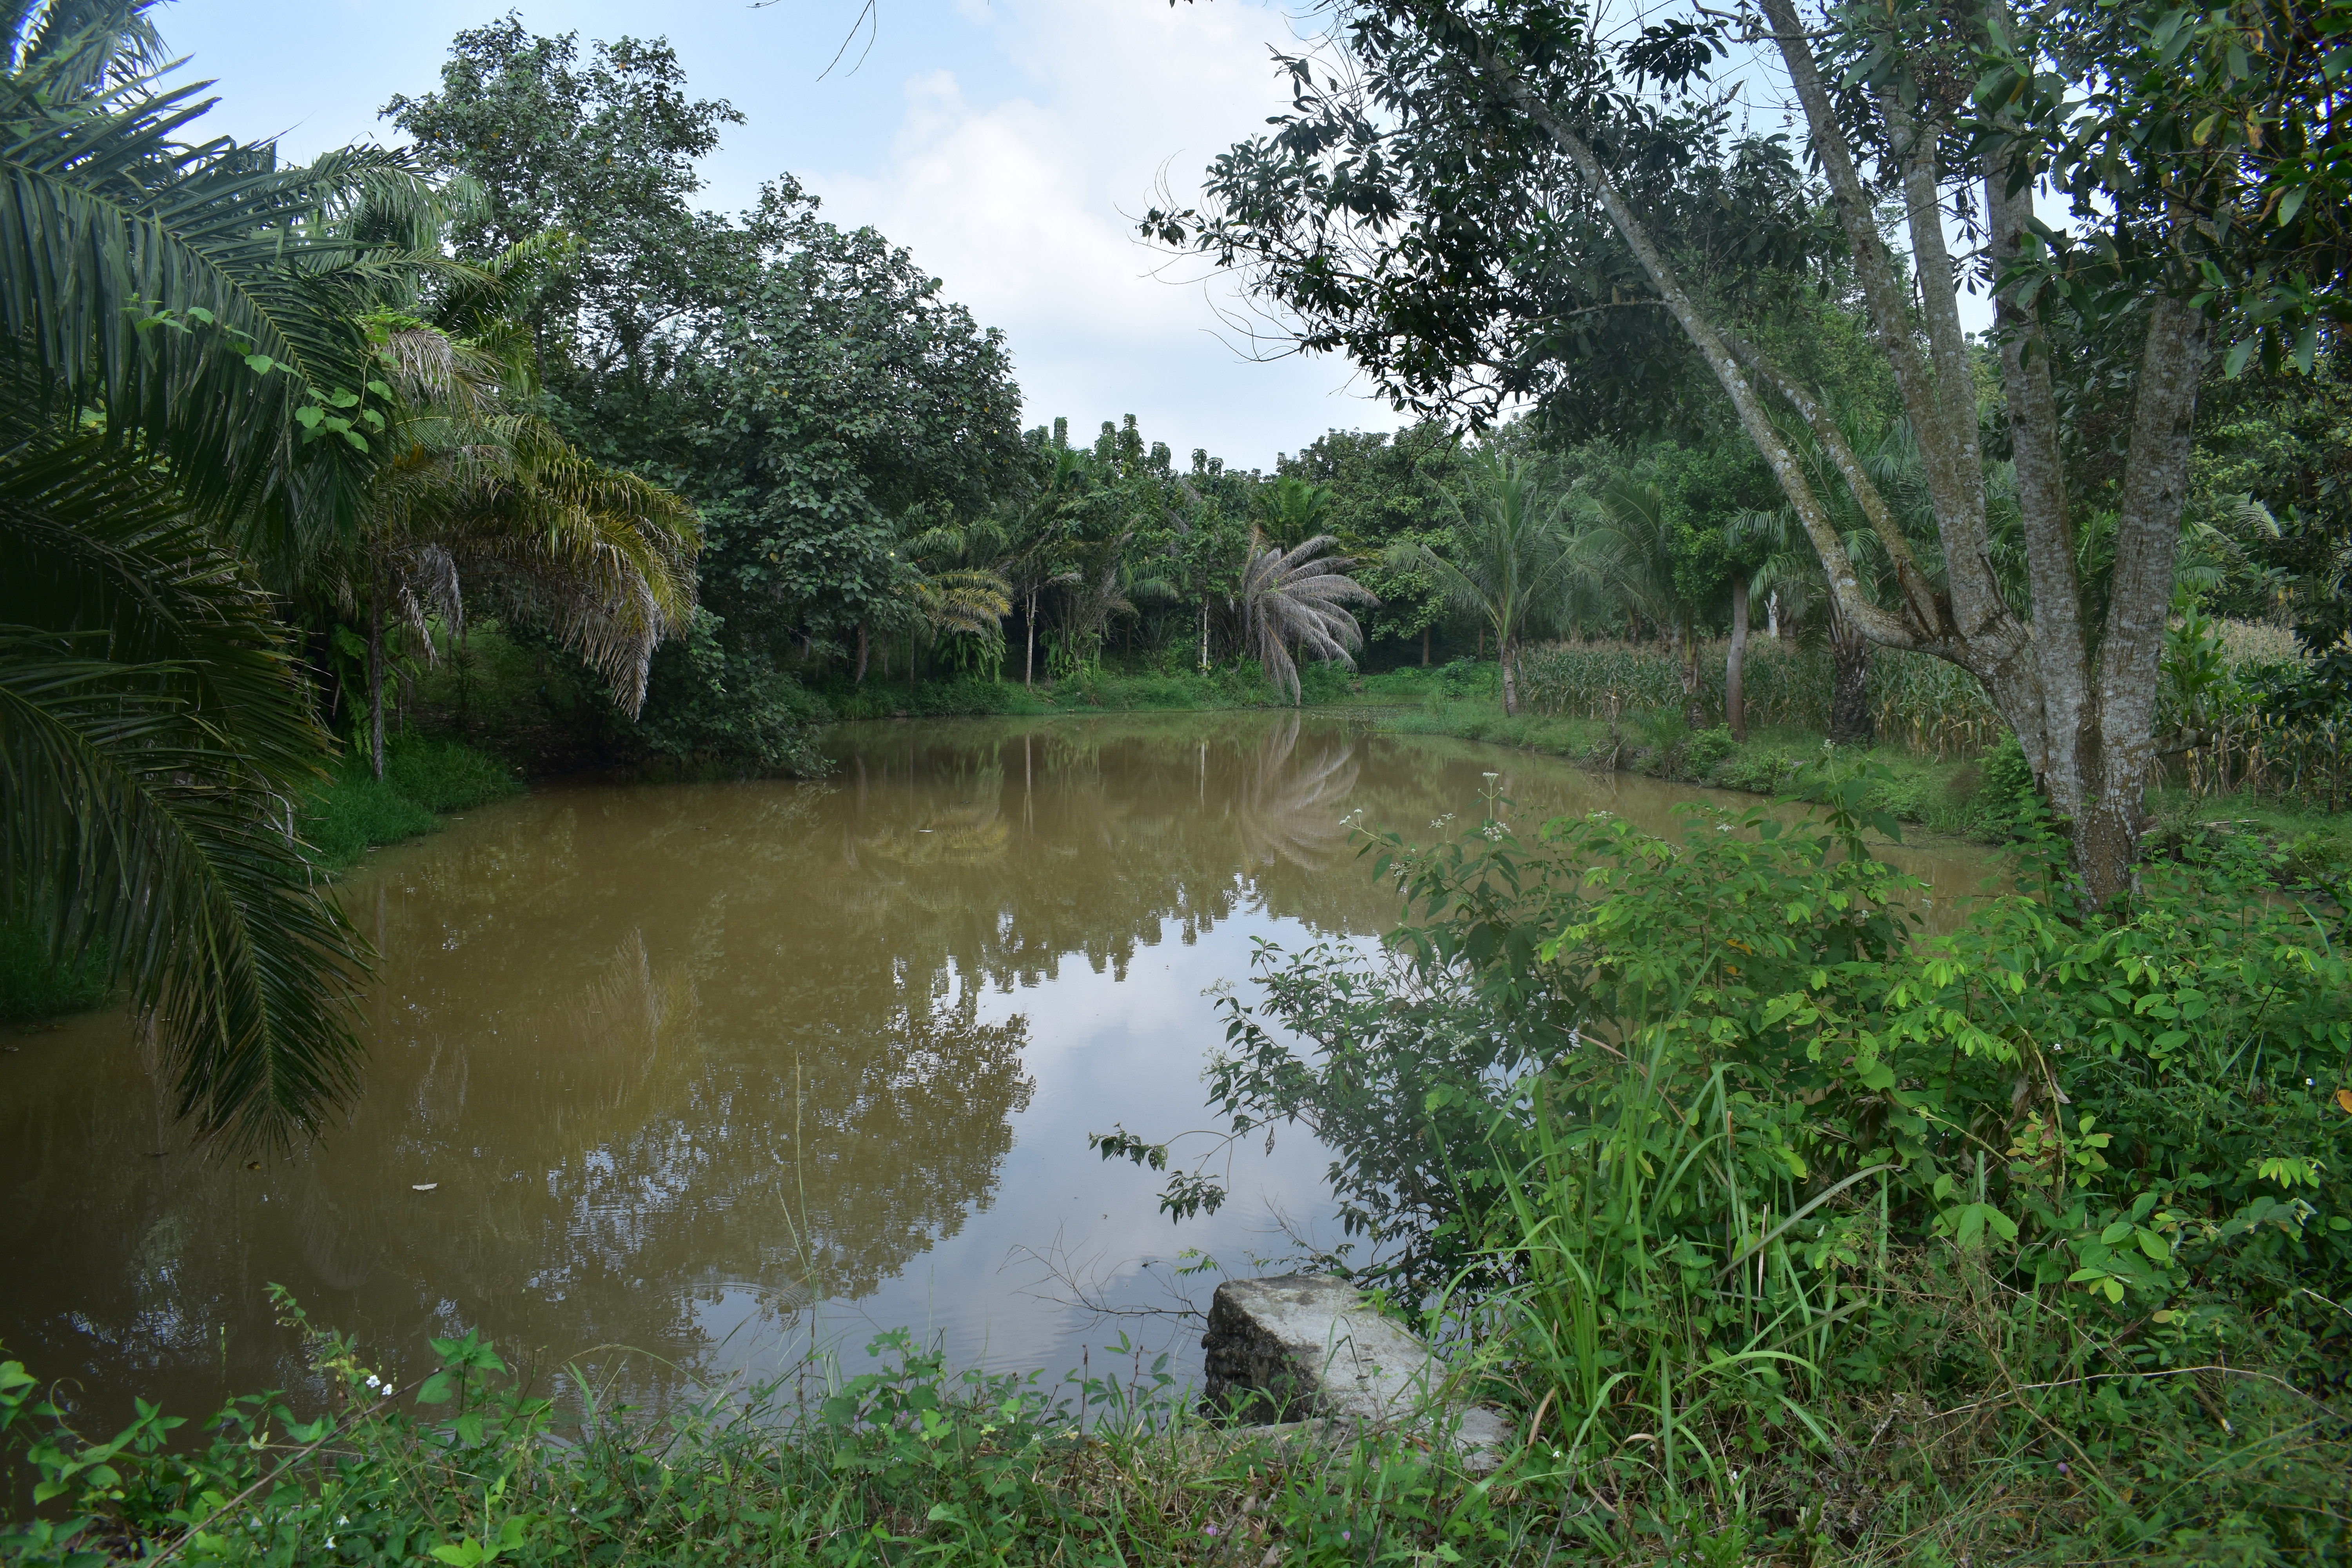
x: 1706, y: 749
x: 357, y: 812
x: 445, y: 776
x: 708, y: 702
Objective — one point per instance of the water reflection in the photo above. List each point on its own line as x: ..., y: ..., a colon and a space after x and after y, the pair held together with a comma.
x: 706, y: 1069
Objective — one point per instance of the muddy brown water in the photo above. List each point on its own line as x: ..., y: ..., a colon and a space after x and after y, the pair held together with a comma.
x: 715, y: 1072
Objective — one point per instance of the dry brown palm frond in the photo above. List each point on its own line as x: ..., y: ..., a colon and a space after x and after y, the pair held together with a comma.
x: 1297, y: 597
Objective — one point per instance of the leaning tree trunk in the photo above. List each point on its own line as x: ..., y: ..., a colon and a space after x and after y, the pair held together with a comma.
x: 1850, y: 722
x: 2083, y: 719
x: 376, y: 675
x: 1735, y: 665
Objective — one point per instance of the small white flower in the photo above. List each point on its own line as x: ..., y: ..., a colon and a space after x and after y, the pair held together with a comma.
x: 331, y: 1543
x: 2306, y: 1083
x: 373, y: 1381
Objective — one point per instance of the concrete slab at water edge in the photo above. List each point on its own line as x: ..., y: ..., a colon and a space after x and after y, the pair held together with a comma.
x: 1305, y: 1347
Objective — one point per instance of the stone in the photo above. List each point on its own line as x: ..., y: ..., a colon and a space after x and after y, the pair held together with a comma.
x: 1306, y: 1347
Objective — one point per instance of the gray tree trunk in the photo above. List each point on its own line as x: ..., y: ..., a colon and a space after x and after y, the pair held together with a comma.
x: 2086, y: 732
x: 1509, y: 654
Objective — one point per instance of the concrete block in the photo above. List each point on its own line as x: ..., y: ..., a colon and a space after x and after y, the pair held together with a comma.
x: 1305, y: 1347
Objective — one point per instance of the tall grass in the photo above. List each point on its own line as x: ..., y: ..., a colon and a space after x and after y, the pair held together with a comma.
x: 422, y: 779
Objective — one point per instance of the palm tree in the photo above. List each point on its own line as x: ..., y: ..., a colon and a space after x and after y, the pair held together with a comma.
x: 154, y: 730
x: 1297, y: 597
x: 503, y: 507
x: 1292, y: 511
x: 1513, y: 563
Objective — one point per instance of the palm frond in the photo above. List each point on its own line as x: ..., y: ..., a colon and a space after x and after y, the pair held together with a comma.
x: 155, y: 734
x: 1297, y: 597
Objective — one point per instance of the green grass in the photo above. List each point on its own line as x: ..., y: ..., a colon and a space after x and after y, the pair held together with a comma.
x: 422, y: 778
x: 32, y: 987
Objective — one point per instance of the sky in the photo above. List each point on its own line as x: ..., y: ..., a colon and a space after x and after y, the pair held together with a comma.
x: 1009, y: 143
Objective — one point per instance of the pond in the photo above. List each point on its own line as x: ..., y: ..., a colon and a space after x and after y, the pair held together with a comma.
x: 714, y: 1072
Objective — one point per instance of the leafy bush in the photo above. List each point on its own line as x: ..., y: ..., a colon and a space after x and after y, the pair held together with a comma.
x: 1707, y: 748
x: 708, y: 701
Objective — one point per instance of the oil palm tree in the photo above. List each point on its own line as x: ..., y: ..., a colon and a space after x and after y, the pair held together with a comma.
x: 154, y: 730
x: 1514, y: 558
x: 1297, y: 597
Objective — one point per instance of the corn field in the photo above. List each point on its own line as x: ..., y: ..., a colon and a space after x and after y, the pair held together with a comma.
x: 1933, y: 708
x: 2258, y: 754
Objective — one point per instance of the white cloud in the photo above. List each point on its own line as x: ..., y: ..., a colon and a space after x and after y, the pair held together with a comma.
x: 1024, y: 204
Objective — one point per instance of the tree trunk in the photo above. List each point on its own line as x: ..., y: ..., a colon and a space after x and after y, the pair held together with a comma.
x: 1734, y: 667
x: 1508, y: 653
x: 376, y: 675
x: 1694, y: 714
x: 1850, y: 722
x: 1204, y: 634
x: 1772, y: 615
x: 1424, y: 648
x: 1029, y: 639
x: 865, y: 651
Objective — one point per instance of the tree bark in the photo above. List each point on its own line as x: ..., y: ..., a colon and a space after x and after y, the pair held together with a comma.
x: 1510, y: 651
x: 1424, y: 648
x: 2139, y: 596
x: 865, y: 651
x: 1735, y: 664
x: 1029, y: 636
x: 375, y: 674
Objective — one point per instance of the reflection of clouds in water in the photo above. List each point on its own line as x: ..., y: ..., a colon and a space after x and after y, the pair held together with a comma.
x: 680, y: 1060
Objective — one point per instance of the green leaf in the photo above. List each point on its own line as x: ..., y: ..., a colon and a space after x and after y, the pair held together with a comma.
x: 260, y: 364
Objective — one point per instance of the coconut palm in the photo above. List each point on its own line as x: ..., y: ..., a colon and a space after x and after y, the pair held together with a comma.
x: 1297, y: 598
x: 1513, y: 563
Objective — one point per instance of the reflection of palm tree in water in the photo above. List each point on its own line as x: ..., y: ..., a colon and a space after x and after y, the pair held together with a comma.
x: 1291, y: 812
x: 965, y: 833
